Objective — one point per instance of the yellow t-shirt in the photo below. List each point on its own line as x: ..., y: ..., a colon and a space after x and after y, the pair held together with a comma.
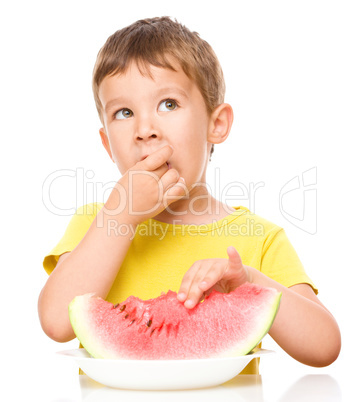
x: 161, y: 253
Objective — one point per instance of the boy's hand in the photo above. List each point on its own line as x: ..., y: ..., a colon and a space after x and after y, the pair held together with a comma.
x: 149, y: 187
x: 213, y: 274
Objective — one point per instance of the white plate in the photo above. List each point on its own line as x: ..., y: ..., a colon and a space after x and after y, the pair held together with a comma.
x: 161, y: 374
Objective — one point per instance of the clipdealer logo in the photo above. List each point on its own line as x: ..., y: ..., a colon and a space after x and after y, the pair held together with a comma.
x: 87, y: 190
x: 298, y: 201
x: 160, y: 230
x: 297, y: 197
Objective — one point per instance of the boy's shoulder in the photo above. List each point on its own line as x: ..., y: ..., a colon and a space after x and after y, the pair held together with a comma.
x: 252, y: 218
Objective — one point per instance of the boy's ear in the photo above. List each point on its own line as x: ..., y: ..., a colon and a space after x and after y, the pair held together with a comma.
x: 220, y: 124
x: 105, y: 142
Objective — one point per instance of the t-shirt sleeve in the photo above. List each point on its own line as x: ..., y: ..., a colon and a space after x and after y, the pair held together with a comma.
x: 281, y: 262
x: 75, y: 231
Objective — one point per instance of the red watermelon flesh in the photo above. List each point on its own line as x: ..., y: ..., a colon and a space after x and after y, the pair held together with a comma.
x: 224, y: 324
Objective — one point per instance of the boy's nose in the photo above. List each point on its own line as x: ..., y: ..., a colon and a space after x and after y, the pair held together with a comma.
x: 146, y: 130
x: 146, y: 136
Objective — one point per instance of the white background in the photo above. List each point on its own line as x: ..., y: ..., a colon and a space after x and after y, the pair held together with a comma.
x: 291, y: 71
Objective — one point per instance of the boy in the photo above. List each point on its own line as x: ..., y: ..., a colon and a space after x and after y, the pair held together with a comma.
x: 159, y: 91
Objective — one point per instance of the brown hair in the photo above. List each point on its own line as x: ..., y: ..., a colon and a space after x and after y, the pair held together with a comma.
x: 154, y: 41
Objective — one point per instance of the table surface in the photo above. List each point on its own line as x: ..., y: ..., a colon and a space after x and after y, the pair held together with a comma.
x: 56, y: 379
x: 241, y: 388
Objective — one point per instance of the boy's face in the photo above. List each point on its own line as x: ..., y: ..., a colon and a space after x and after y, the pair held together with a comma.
x: 142, y: 114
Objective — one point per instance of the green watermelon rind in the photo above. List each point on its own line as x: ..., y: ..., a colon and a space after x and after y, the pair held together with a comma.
x: 79, y: 327
x: 83, y: 334
x: 261, y: 334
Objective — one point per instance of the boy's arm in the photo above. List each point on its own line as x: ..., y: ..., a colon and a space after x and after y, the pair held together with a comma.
x: 303, y: 327
x: 93, y: 265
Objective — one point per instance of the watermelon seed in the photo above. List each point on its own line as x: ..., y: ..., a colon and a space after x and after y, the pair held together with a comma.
x: 126, y: 315
x: 116, y: 305
x: 148, y: 323
x: 122, y: 307
x: 132, y: 322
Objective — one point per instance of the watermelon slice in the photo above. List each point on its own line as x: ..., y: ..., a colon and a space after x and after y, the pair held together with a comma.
x: 224, y: 324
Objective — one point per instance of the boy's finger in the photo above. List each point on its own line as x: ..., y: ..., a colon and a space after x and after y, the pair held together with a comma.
x: 176, y: 191
x: 198, y: 289
x: 205, y: 277
x: 213, y: 275
x: 157, y: 158
x: 234, y: 258
x: 169, y: 179
x: 187, y: 281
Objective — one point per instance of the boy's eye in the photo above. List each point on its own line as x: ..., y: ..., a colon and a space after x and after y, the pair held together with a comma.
x: 123, y: 114
x: 167, y: 105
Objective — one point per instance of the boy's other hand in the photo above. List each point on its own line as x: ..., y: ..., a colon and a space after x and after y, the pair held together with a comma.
x: 149, y: 186
x: 213, y: 274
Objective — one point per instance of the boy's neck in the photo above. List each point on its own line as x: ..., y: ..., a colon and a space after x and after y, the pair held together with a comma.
x: 199, y: 208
